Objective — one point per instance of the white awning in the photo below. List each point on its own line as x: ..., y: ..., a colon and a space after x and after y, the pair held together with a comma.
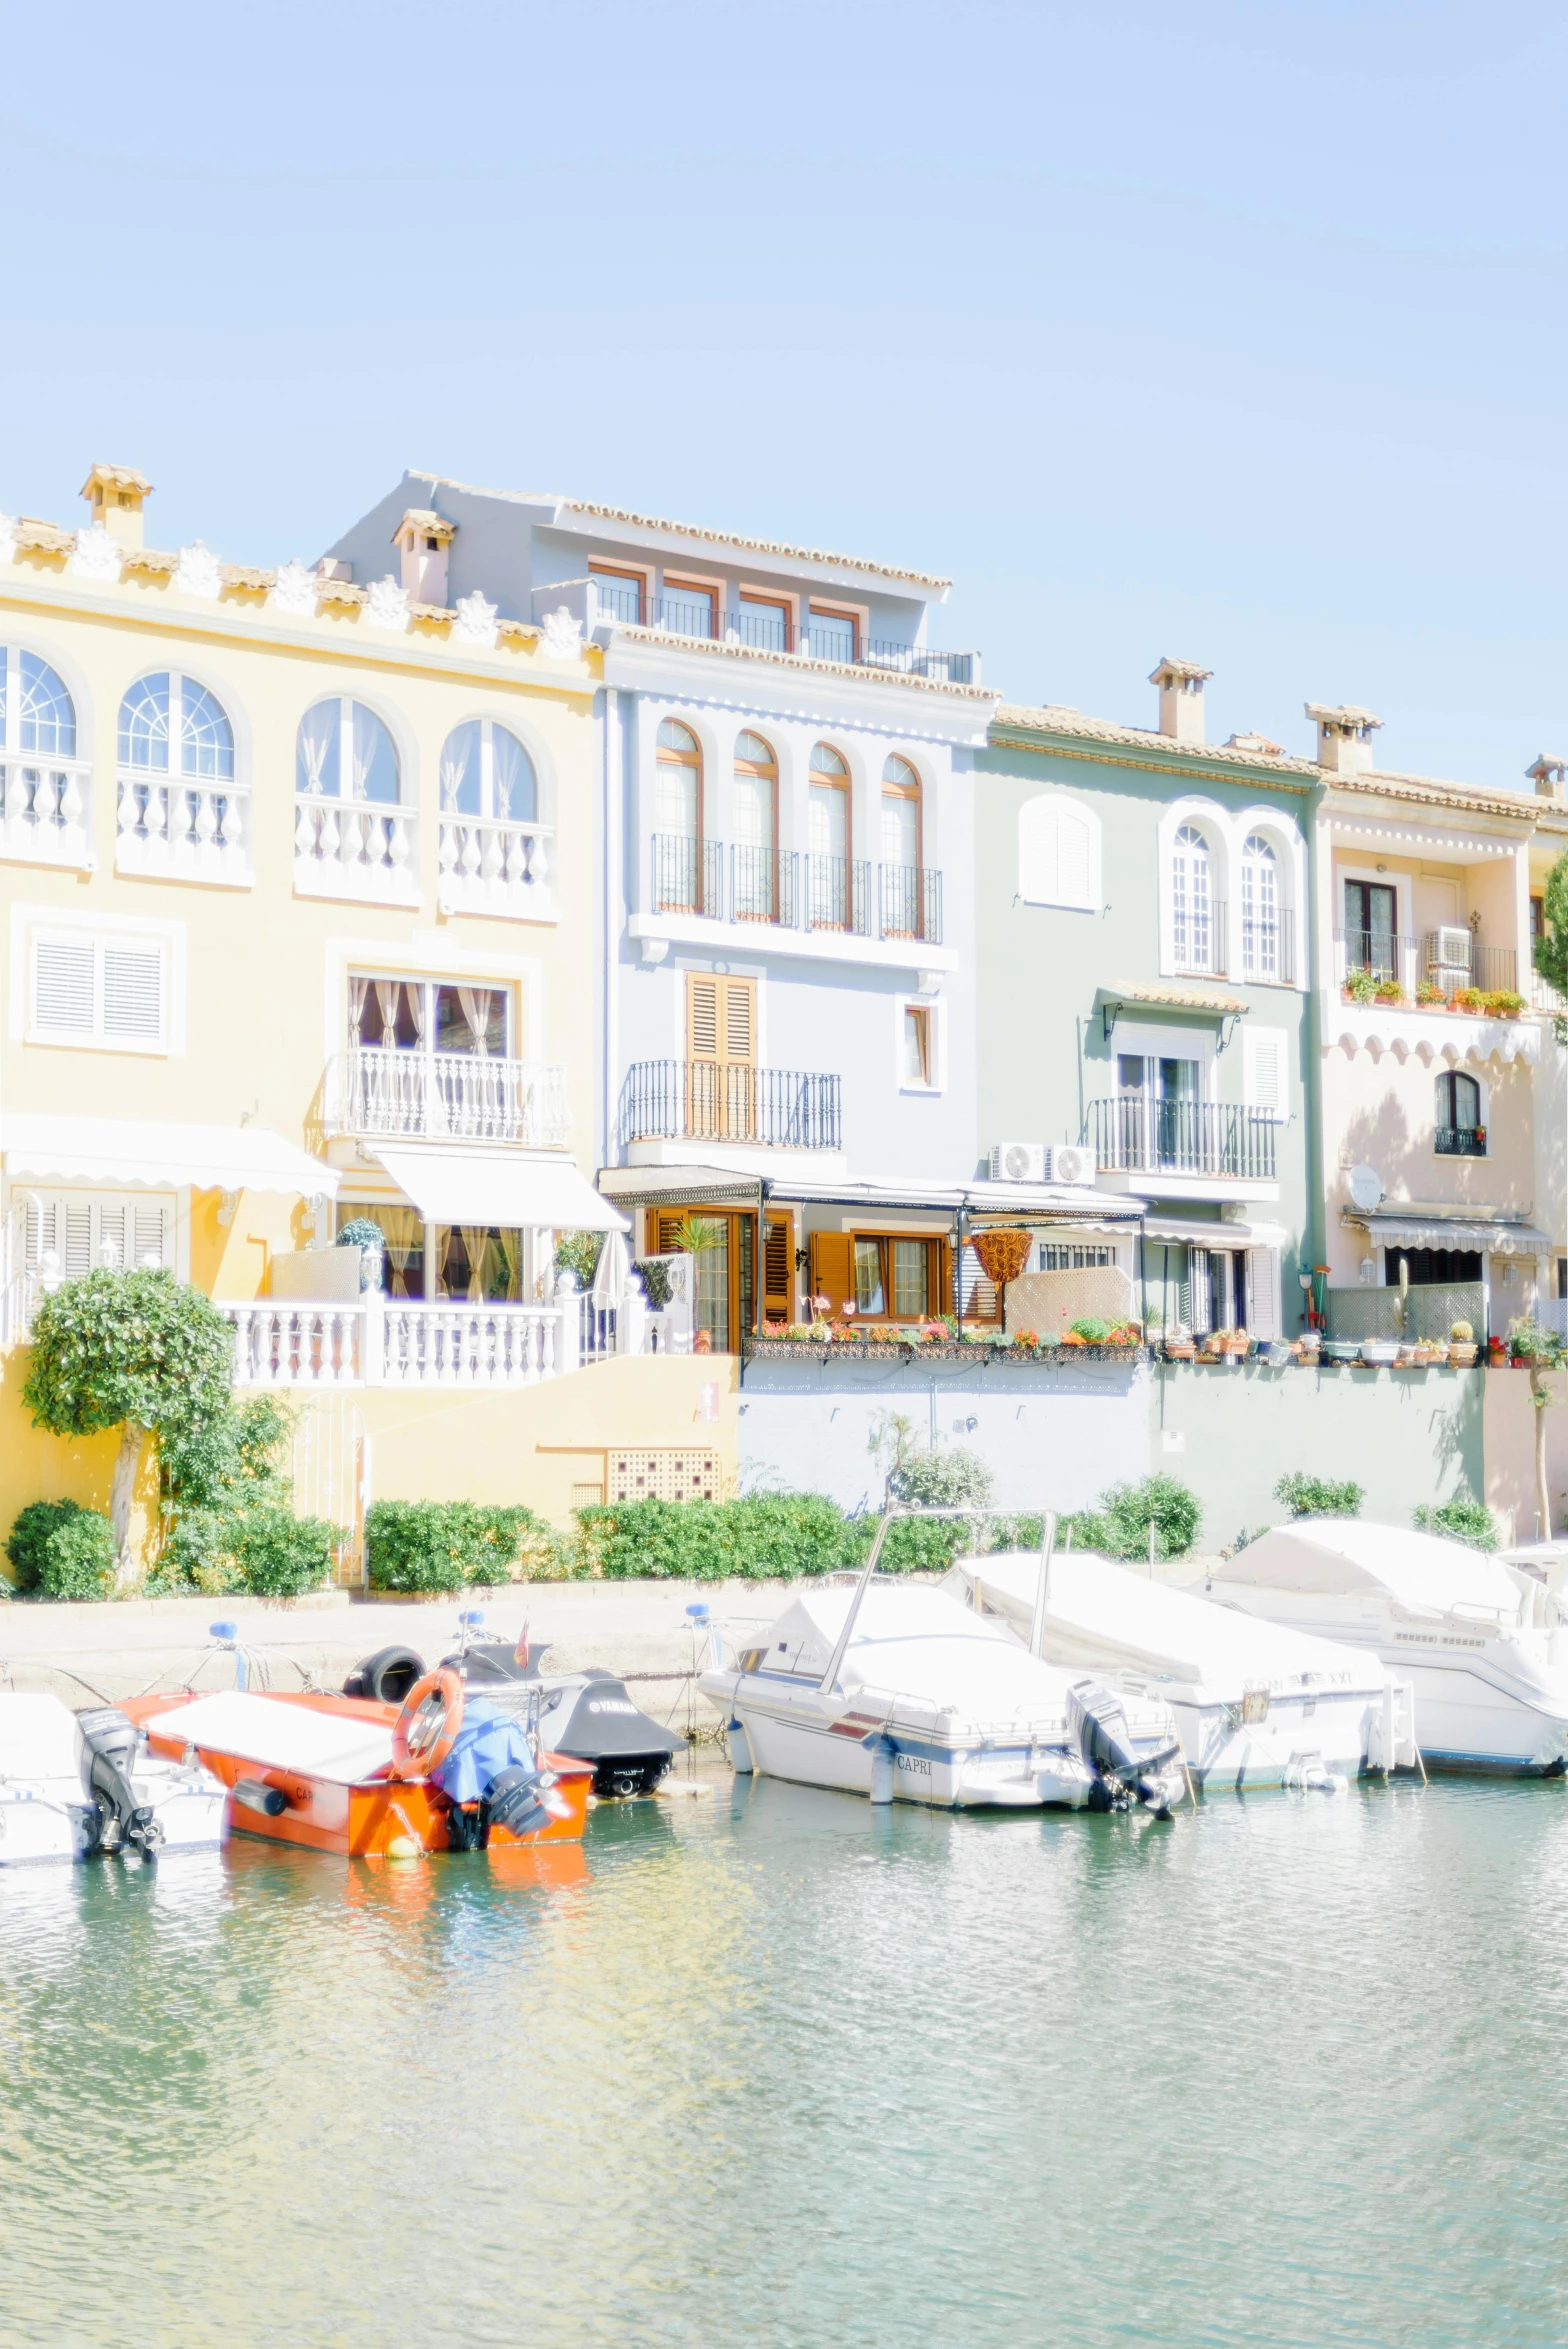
x: 1190, y: 1231
x: 140, y: 1156
x: 1476, y: 1235
x: 497, y: 1187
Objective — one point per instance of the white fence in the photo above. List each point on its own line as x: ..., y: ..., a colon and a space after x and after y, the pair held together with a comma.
x: 382, y: 1342
x: 448, y: 1096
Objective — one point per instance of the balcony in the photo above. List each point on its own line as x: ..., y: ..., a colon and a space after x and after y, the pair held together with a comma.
x: 1204, y: 1138
x: 356, y: 849
x: 448, y: 1097
x: 765, y: 630
x: 183, y: 830
x: 1430, y: 969
x: 386, y: 1342
x: 45, y: 814
x: 730, y: 1101
x: 1460, y: 1142
x: 796, y: 891
x: 493, y: 866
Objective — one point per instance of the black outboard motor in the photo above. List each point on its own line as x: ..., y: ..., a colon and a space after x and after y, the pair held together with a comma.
x: 1124, y: 1767
x: 110, y: 1740
x: 513, y: 1800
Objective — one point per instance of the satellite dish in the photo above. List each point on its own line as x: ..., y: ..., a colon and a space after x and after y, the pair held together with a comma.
x: 1366, y: 1187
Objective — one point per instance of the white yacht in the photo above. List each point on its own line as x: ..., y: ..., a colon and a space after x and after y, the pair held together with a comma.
x: 893, y: 1690
x: 1256, y: 1704
x: 77, y: 1786
x: 1481, y: 1641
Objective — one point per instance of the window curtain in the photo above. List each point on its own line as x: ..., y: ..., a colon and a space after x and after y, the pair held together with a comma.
x: 457, y: 761
x: 516, y: 792
x: 358, y: 990
x: 477, y: 1003
x: 405, y: 1238
x: 387, y: 994
x: 318, y: 745
x: 507, y: 1247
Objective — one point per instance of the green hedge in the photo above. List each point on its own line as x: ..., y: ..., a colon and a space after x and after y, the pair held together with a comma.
x: 764, y: 1536
x: 62, y: 1550
x: 448, y: 1545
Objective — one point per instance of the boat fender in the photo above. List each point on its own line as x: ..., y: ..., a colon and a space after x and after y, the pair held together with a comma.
x: 884, y: 1762
x: 739, y: 1745
x: 426, y: 1729
x: 270, y: 1801
x: 387, y: 1676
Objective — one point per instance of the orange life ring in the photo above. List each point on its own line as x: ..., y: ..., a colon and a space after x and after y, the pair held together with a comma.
x: 422, y: 1738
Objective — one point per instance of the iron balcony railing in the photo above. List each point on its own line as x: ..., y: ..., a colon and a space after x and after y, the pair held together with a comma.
x: 729, y: 1101
x: 1268, y: 945
x: 688, y: 876
x: 838, y: 890
x: 1201, y: 938
x: 762, y: 885
x: 1439, y: 961
x: 910, y: 902
x: 1461, y: 1141
x: 770, y: 631
x: 1138, y: 1136
x: 448, y: 1096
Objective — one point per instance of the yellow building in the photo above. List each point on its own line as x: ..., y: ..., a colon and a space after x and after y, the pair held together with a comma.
x: 297, y: 878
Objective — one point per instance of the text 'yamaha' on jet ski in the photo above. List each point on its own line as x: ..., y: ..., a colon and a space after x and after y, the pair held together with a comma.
x: 82, y: 1786
x: 587, y: 1714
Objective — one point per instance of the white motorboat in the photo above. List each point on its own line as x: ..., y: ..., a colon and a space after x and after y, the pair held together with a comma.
x: 1482, y: 1642
x: 1256, y: 1704
x: 896, y: 1691
x: 76, y: 1786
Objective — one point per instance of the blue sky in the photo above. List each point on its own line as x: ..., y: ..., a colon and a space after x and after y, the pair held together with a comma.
x: 1234, y: 331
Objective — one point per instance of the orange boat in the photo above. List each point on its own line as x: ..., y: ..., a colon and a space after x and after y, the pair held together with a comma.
x: 351, y: 1776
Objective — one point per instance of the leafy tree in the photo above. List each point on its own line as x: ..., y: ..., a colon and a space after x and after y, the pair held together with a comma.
x: 1551, y: 948
x: 1120, y: 1527
x: 1319, y: 1496
x: 135, y: 1350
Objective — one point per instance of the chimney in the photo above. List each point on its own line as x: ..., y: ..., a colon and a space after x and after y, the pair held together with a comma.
x: 1548, y: 775
x: 423, y: 538
x: 1181, y: 686
x: 116, y: 493
x: 1344, y: 738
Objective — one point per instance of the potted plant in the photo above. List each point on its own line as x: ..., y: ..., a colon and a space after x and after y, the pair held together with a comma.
x: 1361, y: 987
x: 1179, y: 1347
x: 1380, y: 1353
x: 1237, y: 1344
x: 1461, y: 1345
x: 1390, y: 991
x: 1496, y: 1352
x: 1504, y: 1003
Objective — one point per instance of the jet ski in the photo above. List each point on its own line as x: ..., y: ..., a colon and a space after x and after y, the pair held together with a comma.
x: 586, y: 1714
x: 87, y: 1785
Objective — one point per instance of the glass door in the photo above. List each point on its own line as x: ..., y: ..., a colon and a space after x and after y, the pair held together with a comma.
x: 1370, y: 916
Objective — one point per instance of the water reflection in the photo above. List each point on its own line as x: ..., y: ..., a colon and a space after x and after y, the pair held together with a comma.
x: 772, y: 2066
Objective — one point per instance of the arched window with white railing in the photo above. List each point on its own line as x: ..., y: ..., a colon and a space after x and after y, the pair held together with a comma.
x: 353, y: 837
x: 43, y: 781
x: 493, y: 852
x: 1261, y: 942
x: 178, y: 808
x: 1195, y: 920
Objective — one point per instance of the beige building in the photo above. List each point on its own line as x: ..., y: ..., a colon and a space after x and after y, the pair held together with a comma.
x: 1430, y: 1033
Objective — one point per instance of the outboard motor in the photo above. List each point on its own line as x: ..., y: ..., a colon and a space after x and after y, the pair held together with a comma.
x: 513, y: 1800
x: 1124, y: 1768
x: 109, y: 1739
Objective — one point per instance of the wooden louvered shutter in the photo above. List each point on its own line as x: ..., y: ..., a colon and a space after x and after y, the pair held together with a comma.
x: 832, y: 1269
x: 666, y: 1231
x: 740, y: 1020
x: 778, y: 1269
x: 702, y: 1018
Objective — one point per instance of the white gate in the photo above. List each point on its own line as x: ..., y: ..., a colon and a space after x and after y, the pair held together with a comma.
x: 330, y: 1465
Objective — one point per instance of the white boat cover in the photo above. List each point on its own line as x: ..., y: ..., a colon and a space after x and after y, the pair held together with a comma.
x: 38, y: 1738
x: 1117, y: 1620
x: 918, y: 1644
x: 1333, y: 1557
x: 276, y: 1735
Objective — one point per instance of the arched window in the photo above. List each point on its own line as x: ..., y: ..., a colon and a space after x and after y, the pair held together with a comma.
x: 833, y: 898
x: 900, y: 813
x: 680, y: 781
x: 686, y: 876
x: 1059, y: 854
x: 1192, y: 907
x: 485, y: 771
x: 170, y: 725
x: 1460, y: 1133
x: 755, y: 894
x: 39, y: 717
x: 1260, y: 910
x: 345, y: 752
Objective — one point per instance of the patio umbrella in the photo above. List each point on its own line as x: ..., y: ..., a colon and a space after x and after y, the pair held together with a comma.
x: 612, y: 1271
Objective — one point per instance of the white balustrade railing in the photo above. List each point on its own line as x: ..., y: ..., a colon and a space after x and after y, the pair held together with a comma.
x: 390, y: 1342
x: 492, y: 866
x: 183, y: 830
x: 450, y: 1096
x: 45, y: 813
x: 355, y: 848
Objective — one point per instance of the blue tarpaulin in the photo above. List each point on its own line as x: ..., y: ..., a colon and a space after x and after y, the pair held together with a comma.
x: 489, y: 1742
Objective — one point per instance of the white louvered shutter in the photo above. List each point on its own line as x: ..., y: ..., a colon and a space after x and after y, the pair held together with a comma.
x: 1202, y: 1293
x: 64, y: 986
x: 1072, y: 858
x: 74, y: 1237
x: 1263, y: 1291
x: 133, y: 992
x: 152, y: 1230
x: 1263, y: 1070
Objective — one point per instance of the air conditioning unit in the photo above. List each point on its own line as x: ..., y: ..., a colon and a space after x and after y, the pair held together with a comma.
x: 1071, y: 1164
x: 1448, y: 957
x: 1018, y: 1162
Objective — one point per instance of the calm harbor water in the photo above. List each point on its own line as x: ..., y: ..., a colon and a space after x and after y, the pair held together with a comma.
x: 772, y: 2067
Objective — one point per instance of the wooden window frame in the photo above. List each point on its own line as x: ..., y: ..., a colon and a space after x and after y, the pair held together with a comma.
x: 858, y: 615
x: 642, y: 580
x: 914, y: 791
x: 741, y: 1321
x: 751, y: 593
x: 664, y: 757
x: 672, y: 583
x: 938, y: 1273
x: 845, y: 783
